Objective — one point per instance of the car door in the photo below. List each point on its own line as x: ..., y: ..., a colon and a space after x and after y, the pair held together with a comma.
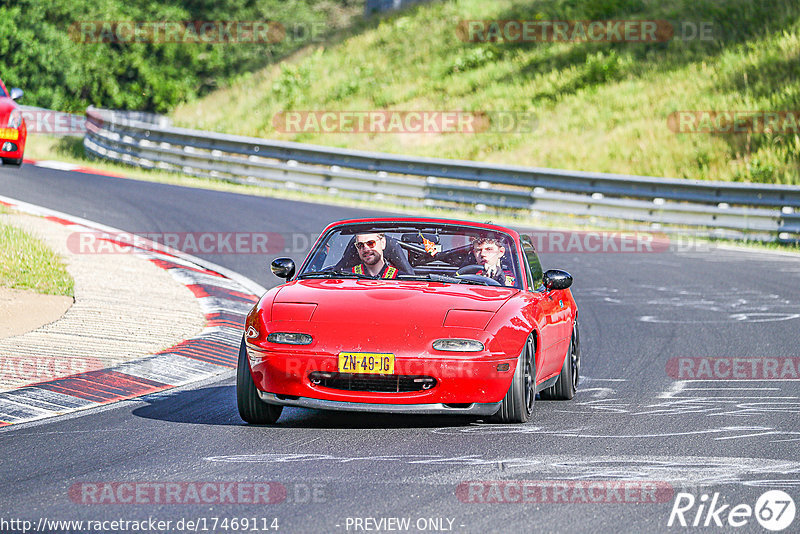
x: 550, y: 322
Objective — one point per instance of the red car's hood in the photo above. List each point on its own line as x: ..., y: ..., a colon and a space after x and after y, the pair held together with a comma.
x: 387, y: 302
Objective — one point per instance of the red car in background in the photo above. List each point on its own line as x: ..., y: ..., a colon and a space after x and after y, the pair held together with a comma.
x: 435, y: 331
x: 13, y: 132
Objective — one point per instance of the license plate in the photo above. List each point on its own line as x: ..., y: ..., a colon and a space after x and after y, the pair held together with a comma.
x: 366, y: 362
x: 9, y: 133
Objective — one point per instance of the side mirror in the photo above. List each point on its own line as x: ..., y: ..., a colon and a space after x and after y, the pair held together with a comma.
x: 556, y: 279
x: 16, y: 93
x: 282, y: 267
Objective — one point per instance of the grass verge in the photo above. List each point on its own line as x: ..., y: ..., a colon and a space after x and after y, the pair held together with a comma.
x: 26, y: 262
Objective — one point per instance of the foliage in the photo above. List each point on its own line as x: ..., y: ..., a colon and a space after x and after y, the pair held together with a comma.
x: 601, y: 106
x: 50, y: 48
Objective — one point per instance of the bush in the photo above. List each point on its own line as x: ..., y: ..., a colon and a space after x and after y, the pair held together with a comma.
x: 40, y: 43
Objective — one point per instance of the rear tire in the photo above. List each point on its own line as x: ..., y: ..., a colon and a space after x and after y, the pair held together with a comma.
x: 12, y: 162
x: 251, y: 408
x: 517, y: 405
x: 567, y: 383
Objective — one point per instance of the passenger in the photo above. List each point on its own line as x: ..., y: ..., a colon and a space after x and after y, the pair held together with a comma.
x: 488, y: 252
x: 370, y: 250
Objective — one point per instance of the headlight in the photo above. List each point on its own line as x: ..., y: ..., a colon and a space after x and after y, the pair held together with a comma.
x: 289, y: 338
x: 15, y: 119
x: 458, y: 345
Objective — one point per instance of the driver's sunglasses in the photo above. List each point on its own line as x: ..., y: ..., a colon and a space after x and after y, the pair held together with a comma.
x: 361, y: 244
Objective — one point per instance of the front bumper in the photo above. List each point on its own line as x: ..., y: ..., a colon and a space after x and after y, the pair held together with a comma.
x: 477, y: 408
x: 460, y: 380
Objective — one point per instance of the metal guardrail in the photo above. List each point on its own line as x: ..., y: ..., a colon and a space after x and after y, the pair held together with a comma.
x: 147, y: 140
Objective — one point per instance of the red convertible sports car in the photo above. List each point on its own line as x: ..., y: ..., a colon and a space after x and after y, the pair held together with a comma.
x: 411, y: 315
x: 13, y: 131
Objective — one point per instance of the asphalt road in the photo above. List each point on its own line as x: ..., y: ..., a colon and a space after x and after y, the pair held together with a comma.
x: 631, y: 426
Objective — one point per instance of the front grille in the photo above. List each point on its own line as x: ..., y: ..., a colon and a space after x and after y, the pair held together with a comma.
x: 377, y: 383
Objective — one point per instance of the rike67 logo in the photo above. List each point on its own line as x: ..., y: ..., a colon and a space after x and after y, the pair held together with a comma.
x: 774, y: 510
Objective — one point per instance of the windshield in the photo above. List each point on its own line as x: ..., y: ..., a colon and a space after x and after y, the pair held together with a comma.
x: 445, y: 252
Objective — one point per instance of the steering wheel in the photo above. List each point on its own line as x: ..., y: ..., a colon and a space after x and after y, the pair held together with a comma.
x: 469, y: 269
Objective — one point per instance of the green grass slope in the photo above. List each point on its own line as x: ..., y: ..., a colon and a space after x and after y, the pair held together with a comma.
x: 599, y: 106
x: 26, y: 262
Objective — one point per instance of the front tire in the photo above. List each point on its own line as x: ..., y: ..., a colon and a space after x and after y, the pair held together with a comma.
x: 517, y: 405
x: 251, y: 408
x: 567, y: 383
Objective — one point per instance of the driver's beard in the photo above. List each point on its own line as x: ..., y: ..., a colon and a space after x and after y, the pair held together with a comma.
x: 372, y: 259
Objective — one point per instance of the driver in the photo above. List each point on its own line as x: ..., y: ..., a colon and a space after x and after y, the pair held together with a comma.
x: 488, y: 252
x: 370, y: 251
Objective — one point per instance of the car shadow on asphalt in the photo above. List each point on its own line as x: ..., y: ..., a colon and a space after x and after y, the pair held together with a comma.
x: 216, y: 405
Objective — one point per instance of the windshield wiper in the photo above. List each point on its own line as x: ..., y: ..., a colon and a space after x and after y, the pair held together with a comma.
x: 430, y: 277
x: 444, y: 278
x: 474, y: 281
x: 334, y: 273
